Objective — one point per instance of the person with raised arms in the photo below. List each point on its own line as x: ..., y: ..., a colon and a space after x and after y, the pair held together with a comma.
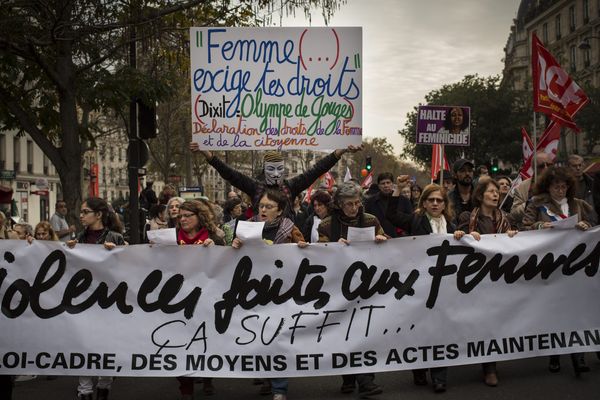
x: 273, y: 175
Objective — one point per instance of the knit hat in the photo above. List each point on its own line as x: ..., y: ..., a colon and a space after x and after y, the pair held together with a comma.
x: 272, y: 156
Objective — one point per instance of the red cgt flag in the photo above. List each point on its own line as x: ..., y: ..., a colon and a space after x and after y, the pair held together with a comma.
x: 548, y: 144
x: 554, y: 92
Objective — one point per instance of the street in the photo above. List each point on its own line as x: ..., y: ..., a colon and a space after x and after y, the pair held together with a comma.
x: 520, y: 379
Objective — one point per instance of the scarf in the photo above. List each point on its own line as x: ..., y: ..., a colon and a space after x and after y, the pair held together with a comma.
x: 200, y: 237
x: 276, y: 231
x: 438, y: 224
x: 501, y: 224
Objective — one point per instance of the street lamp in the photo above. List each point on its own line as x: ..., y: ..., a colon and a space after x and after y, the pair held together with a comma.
x: 585, y: 43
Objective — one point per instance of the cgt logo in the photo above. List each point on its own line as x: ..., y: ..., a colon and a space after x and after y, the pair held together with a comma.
x: 559, y: 87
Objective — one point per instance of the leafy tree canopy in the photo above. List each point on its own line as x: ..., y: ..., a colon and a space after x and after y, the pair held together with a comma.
x: 497, y: 114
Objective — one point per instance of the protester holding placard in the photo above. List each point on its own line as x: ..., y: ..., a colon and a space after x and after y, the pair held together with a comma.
x: 101, y: 226
x: 554, y: 200
x: 196, y: 226
x: 433, y: 215
x: 273, y: 176
x: 277, y: 229
x: 348, y: 212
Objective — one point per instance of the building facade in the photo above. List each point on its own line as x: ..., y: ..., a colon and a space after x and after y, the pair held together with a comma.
x: 561, y: 25
x: 30, y: 175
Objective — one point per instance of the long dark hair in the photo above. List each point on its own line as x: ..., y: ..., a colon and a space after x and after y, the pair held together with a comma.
x: 110, y: 220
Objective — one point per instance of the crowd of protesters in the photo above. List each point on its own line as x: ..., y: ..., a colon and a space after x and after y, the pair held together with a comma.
x: 459, y: 204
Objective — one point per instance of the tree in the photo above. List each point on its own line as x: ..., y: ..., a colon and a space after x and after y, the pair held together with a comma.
x: 64, y: 60
x: 497, y: 113
x: 384, y: 160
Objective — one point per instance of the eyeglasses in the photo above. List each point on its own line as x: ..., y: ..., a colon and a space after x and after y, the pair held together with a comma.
x: 493, y: 191
x: 180, y: 216
x: 355, y: 204
x: 435, y: 200
x: 85, y: 211
x: 266, y: 206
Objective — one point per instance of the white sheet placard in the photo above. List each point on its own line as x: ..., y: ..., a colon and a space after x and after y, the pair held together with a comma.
x: 162, y: 236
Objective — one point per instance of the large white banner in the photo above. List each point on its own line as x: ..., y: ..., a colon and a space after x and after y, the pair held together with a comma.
x: 284, y: 311
x: 276, y: 88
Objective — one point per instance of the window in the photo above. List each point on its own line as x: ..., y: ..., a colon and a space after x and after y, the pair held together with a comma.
x: 586, y: 58
x: 572, y: 18
x: 104, y: 177
x: 573, y: 58
x: 586, y: 11
x: 17, y: 153
x: 545, y: 33
x: 30, y: 156
x: 119, y: 154
x: 46, y: 165
x: 111, y: 153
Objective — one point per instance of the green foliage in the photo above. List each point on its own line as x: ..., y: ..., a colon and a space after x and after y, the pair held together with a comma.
x: 497, y: 115
x: 383, y: 160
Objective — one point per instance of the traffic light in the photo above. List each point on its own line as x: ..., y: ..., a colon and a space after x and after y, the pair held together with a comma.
x: 368, y: 164
x: 494, y: 166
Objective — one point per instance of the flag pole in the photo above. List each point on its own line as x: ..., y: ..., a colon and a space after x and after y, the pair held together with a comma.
x: 442, y: 150
x: 534, y: 149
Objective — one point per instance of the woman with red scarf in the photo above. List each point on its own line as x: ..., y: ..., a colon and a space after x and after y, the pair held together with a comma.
x: 196, y: 225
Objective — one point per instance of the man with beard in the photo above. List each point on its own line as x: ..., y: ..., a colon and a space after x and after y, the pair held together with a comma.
x: 461, y: 195
x: 273, y: 175
x: 378, y: 203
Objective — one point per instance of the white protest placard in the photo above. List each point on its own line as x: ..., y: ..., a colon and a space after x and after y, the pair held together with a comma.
x: 281, y: 310
x: 361, y: 234
x: 566, y: 223
x: 276, y: 88
x: 249, y: 231
x: 162, y: 236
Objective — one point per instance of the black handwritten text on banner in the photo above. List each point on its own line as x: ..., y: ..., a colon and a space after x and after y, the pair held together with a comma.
x: 284, y: 311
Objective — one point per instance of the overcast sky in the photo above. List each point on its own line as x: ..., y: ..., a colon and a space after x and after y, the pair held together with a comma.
x: 411, y: 47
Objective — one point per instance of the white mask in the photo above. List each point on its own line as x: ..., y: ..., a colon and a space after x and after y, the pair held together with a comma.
x: 274, y: 172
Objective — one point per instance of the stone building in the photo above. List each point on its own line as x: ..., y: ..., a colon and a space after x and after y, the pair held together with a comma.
x: 562, y: 26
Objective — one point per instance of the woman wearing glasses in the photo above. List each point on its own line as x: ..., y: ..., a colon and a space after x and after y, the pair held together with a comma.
x: 277, y: 229
x: 101, y: 226
x: 486, y: 218
x: 196, y: 226
x: 554, y: 200
x: 348, y: 212
x: 433, y: 216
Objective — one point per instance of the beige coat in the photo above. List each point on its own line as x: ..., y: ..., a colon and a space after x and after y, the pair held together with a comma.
x: 536, y: 215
